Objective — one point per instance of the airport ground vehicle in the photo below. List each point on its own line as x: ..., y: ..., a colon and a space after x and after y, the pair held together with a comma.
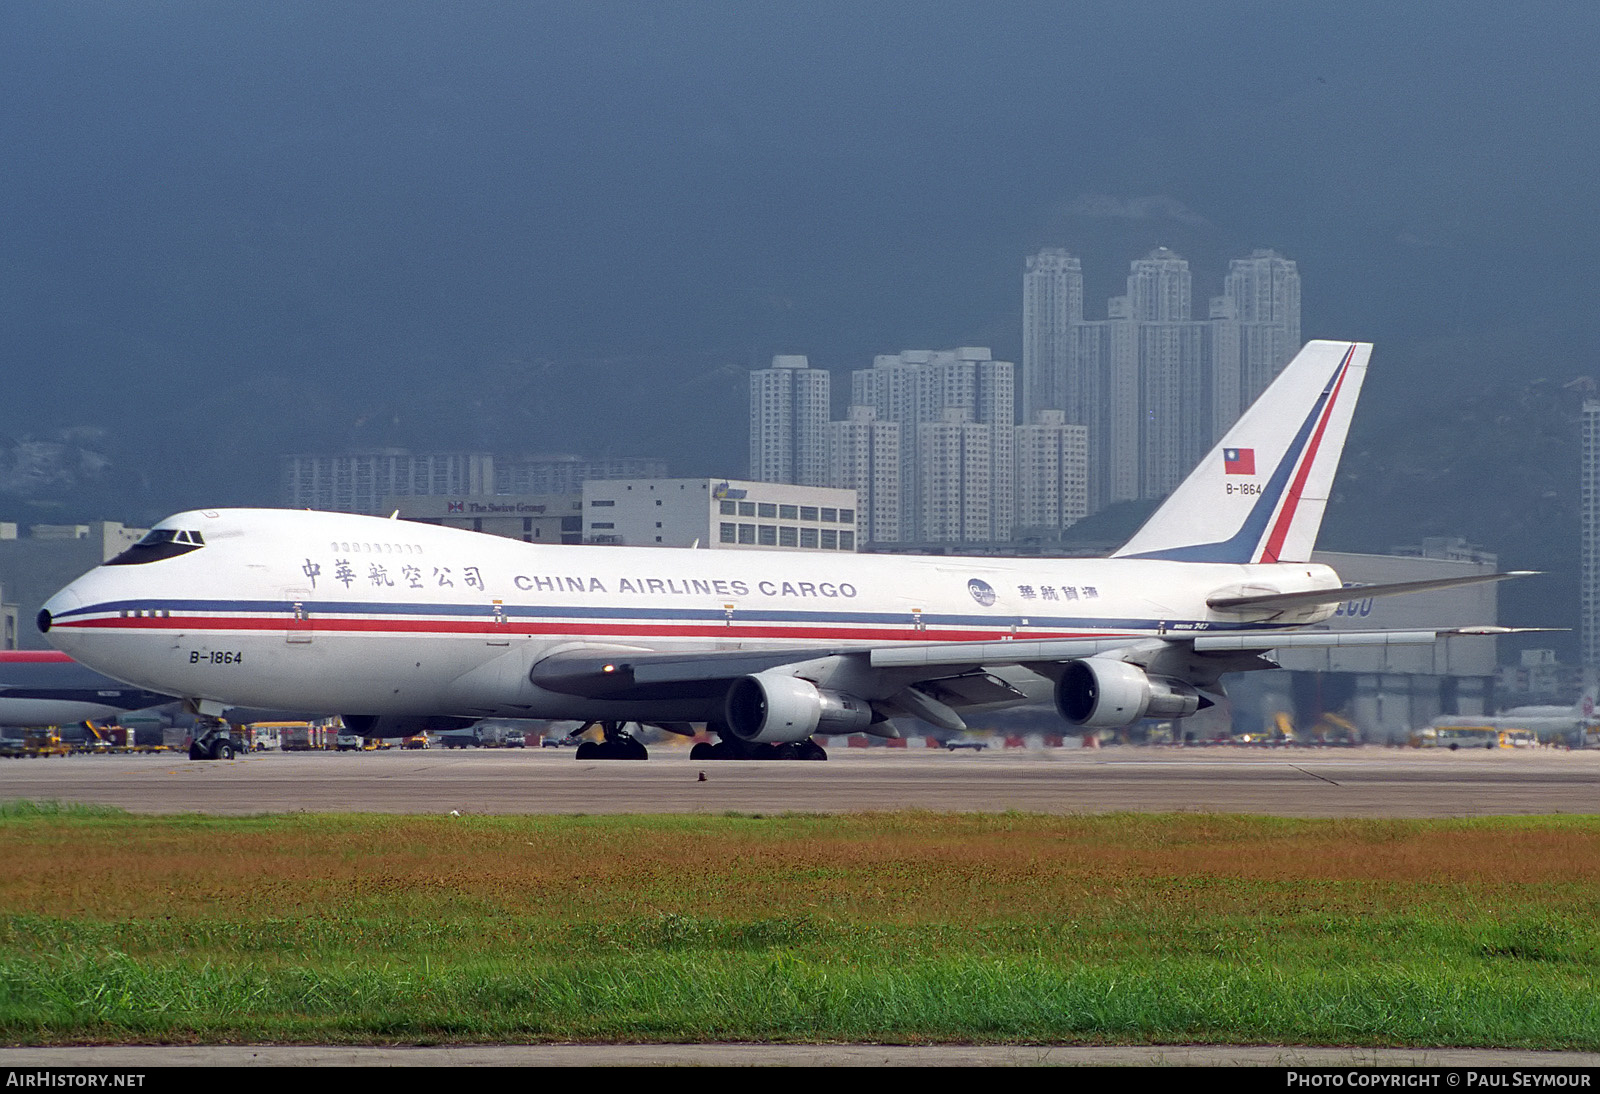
x: 36, y: 743
x: 1464, y: 736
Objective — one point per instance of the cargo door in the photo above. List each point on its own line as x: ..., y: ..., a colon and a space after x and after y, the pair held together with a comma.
x: 298, y: 627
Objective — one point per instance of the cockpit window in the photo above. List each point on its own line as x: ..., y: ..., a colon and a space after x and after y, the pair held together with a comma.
x: 158, y: 544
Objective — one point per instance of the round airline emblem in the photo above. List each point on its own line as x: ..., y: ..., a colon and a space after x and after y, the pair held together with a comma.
x: 981, y: 591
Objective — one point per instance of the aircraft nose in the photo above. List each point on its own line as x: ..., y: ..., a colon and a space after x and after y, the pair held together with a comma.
x: 62, y: 603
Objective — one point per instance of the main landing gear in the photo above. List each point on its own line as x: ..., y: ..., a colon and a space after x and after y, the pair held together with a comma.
x: 616, y: 744
x: 730, y: 747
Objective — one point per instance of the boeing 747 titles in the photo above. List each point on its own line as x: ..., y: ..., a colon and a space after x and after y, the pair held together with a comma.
x: 394, y: 623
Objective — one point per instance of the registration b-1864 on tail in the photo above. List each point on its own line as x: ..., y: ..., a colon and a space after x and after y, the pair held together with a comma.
x: 390, y: 622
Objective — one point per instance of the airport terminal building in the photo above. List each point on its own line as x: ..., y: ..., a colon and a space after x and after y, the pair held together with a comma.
x: 720, y: 513
x: 710, y: 513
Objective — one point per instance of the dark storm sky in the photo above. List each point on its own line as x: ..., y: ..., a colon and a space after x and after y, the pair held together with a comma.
x: 231, y: 230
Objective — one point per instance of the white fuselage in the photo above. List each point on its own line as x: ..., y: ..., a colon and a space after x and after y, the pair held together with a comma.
x: 358, y: 615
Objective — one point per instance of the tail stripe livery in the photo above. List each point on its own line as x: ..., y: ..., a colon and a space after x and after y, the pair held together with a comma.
x: 1213, y: 517
x: 1286, y: 515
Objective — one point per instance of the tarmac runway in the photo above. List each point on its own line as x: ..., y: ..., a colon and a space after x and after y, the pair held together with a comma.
x: 1363, y: 782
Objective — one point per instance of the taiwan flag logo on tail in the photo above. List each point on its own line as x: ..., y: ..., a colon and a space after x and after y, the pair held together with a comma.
x: 1238, y: 461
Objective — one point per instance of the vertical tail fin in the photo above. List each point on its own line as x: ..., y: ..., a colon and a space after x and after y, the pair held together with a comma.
x: 1258, y: 496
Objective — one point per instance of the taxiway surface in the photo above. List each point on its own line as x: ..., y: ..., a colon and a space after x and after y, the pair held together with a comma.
x: 1297, y: 783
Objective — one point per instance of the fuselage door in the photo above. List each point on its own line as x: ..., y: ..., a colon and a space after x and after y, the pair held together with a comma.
x: 298, y: 627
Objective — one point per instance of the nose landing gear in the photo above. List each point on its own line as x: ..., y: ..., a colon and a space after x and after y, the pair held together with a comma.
x: 213, y: 740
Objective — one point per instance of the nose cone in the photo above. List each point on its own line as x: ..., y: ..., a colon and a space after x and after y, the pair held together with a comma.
x: 58, y: 607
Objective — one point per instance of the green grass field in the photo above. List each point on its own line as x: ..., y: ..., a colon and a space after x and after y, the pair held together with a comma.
x: 901, y: 927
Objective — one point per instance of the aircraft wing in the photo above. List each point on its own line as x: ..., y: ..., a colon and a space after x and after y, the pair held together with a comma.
x: 625, y: 672
x: 605, y: 674
x: 612, y: 673
x: 936, y: 680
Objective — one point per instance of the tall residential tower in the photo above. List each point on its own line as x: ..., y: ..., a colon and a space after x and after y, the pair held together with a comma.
x: 1153, y: 384
x: 789, y: 409
x: 1052, y: 304
x: 1256, y: 331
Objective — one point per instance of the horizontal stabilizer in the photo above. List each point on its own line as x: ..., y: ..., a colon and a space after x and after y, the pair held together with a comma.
x: 1352, y: 592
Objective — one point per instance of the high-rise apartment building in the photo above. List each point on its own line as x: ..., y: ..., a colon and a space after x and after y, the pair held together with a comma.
x: 1154, y: 385
x: 1052, y: 472
x: 916, y: 388
x: 957, y: 476
x: 1256, y: 331
x: 790, y: 404
x: 1168, y: 354
x: 1052, y: 305
x: 864, y: 456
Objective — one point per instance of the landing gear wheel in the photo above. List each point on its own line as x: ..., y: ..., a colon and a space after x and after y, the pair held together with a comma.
x: 222, y: 750
x: 808, y: 749
x: 196, y: 752
x: 616, y: 746
x: 703, y: 750
x: 730, y: 747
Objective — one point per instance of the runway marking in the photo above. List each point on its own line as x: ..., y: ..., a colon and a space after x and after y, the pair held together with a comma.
x: 1314, y: 775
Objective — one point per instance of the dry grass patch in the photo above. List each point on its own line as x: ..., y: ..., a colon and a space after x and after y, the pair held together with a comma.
x: 871, y: 926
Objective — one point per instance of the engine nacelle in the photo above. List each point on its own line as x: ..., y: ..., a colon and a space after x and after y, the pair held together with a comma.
x: 770, y: 708
x: 1099, y: 693
x: 402, y: 725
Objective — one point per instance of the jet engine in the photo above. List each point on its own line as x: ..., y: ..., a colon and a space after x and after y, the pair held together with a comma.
x: 1100, y: 692
x: 770, y: 708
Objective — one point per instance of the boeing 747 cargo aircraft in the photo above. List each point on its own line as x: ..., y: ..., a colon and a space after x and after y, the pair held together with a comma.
x: 392, y: 622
